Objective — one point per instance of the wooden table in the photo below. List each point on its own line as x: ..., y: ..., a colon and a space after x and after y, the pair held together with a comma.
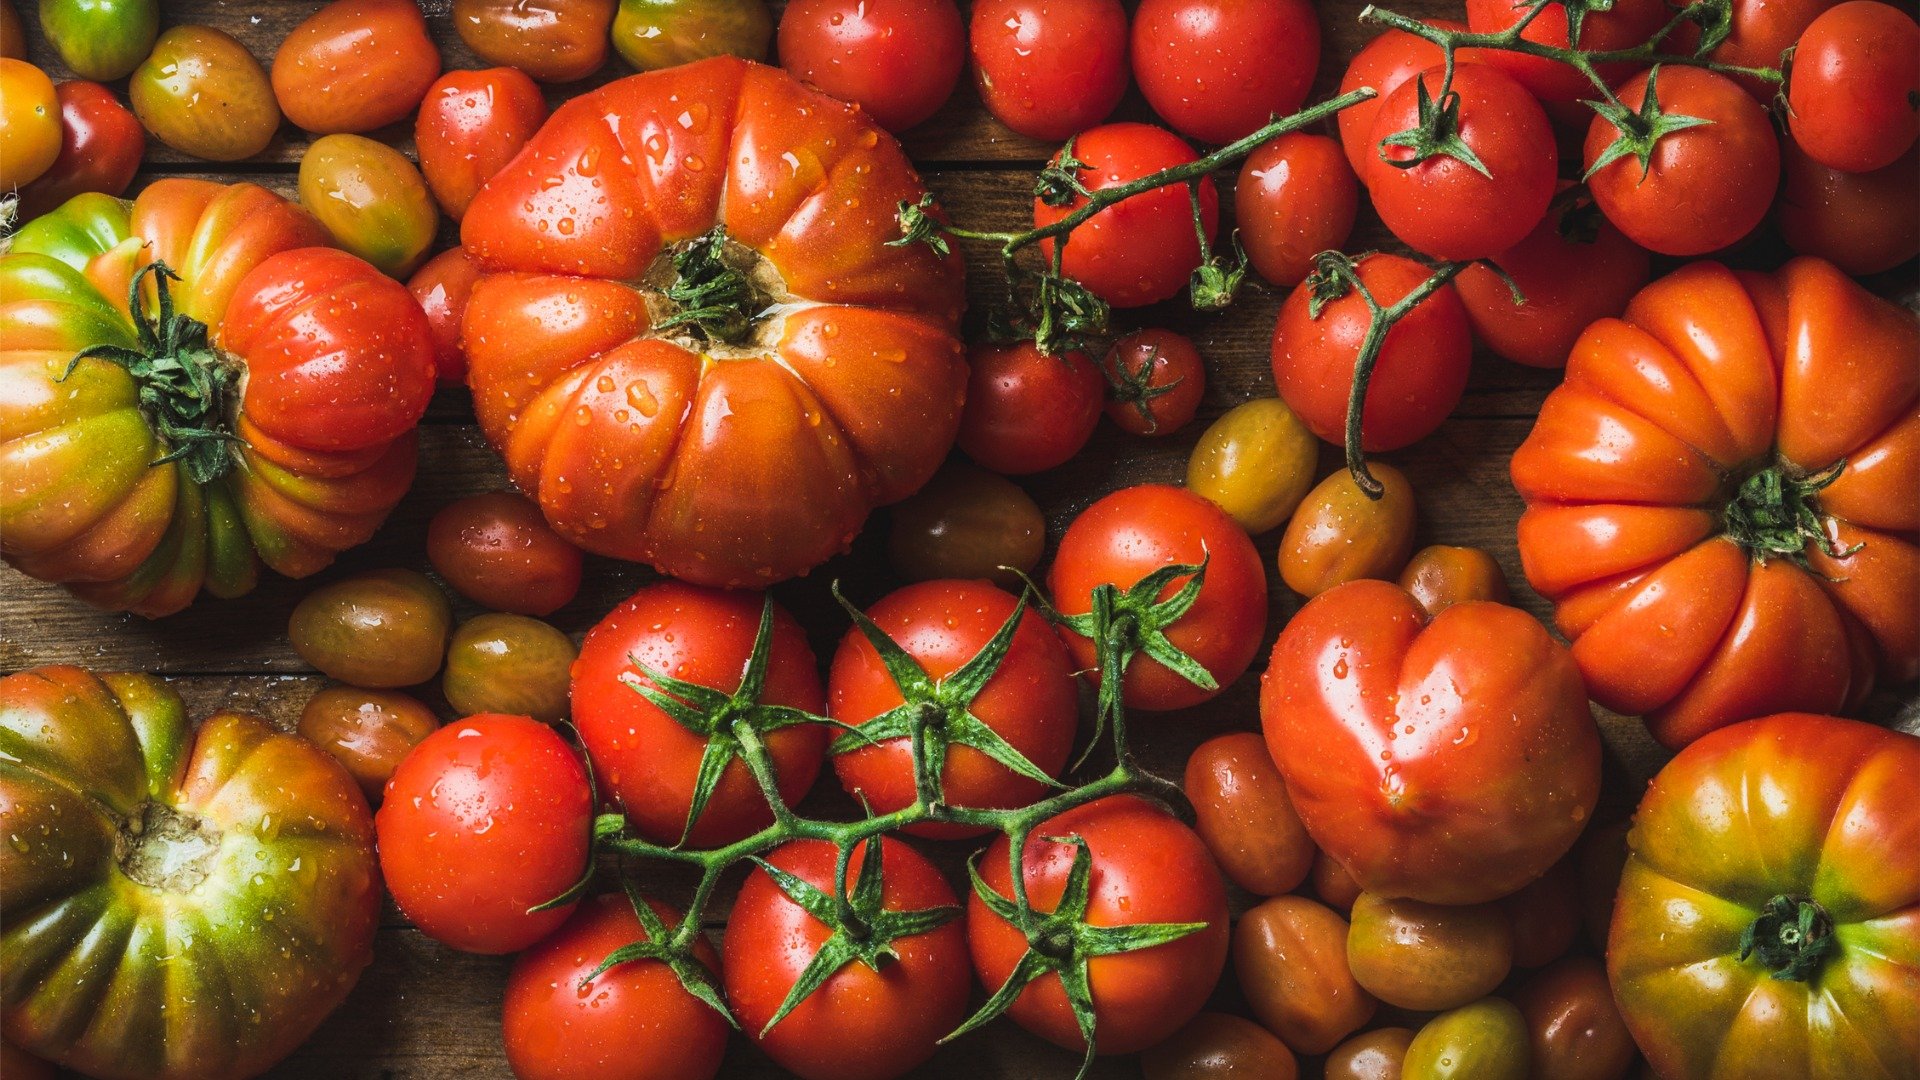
x: 423, y: 1011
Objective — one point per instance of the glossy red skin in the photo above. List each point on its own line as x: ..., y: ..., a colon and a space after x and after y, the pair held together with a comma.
x: 1296, y: 197
x: 1856, y: 80
x: 471, y: 123
x: 1218, y: 70
x: 644, y: 761
x: 355, y: 65
x: 1132, y: 533
x: 1863, y: 223
x: 899, y: 60
x: 861, y: 1024
x: 1708, y: 186
x: 1450, y: 760
x: 1442, y: 206
x: 1146, y: 868
x: 101, y: 144
x: 1417, y: 380
x: 1031, y: 701
x: 634, y: 1022
x: 1028, y: 411
x: 1177, y: 369
x: 1561, y: 88
x: 1573, y: 1023
x: 1761, y: 31
x: 496, y: 550
x: 485, y: 818
x: 442, y: 286
x: 1142, y: 250
x: 1388, y: 60
x: 1049, y: 68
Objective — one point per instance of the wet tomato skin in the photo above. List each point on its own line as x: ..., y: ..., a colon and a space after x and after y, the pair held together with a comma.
x: 899, y: 60
x: 1028, y: 411
x: 1155, y: 380
x: 1338, y: 534
x: 1219, y: 1044
x: 1049, y: 69
x: 355, y: 65
x: 508, y: 663
x: 101, y: 144
x: 379, y: 629
x: 1296, y: 197
x: 202, y: 93
x: 967, y: 523
x: 1290, y: 956
x: 368, y: 732
x: 1242, y: 811
x: 471, y: 123
x: 555, y: 41
x: 442, y: 286
x: 497, y: 550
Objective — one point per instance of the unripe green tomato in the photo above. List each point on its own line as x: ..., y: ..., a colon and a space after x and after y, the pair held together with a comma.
x: 501, y: 663
x: 371, y: 199
x: 655, y: 34
x: 202, y: 93
x: 379, y: 629
x: 1256, y: 463
x: 1486, y: 1040
x: 102, y: 40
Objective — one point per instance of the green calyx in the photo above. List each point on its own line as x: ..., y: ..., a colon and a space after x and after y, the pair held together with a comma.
x: 1436, y: 132
x: 1216, y: 281
x: 1776, y: 513
x: 666, y: 947
x: 1792, y: 937
x: 1059, y: 183
x: 1640, y: 132
x: 714, y: 299
x: 1135, y: 388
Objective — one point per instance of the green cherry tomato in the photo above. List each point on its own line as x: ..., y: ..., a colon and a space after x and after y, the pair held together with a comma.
x: 1486, y: 1040
x: 1256, y: 463
x: 509, y: 664
x: 371, y: 199
x: 379, y: 629
x: 101, y: 40
x: 655, y: 34
x: 202, y: 93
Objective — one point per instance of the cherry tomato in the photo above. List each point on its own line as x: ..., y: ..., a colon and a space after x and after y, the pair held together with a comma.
x: 355, y: 65
x: 1290, y: 955
x: 1333, y: 884
x: 1143, y: 249
x: 1863, y: 223
x: 1339, y: 534
x: 1853, y: 100
x: 555, y: 41
x: 101, y: 145
x: 633, y: 1021
x: 485, y: 819
x: 13, y: 46
x: 1387, y: 61
x: 967, y: 523
x: 29, y: 124
x: 1155, y: 379
x: 1704, y: 187
x: 379, y: 629
x: 442, y: 286
x: 1137, y: 531
x: 1217, y: 1044
x: 899, y: 60
x: 510, y: 664
x: 1428, y: 957
x: 655, y: 34
x: 1758, y: 32
x: 1573, y: 1026
x: 1417, y: 380
x: 1241, y: 809
x: 496, y: 549
x: 367, y: 731
x: 1028, y: 411
x: 102, y: 40
x: 471, y: 124
x: 371, y: 199
x: 1561, y: 88
x: 1486, y: 1040
x: 1370, y: 1055
x: 1296, y: 198
x: 1256, y: 463
x: 1441, y: 576
x: 1545, y: 916
x: 1049, y: 68
x: 1218, y: 70
x: 202, y: 93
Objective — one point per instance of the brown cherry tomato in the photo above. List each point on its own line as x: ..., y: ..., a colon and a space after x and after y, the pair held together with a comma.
x: 371, y: 199
x: 101, y: 144
x: 471, y: 124
x: 1241, y: 810
x: 1486, y: 1040
x: 1296, y: 198
x: 1370, y: 1055
x: 1573, y: 1026
x: 1339, y: 534
x: 1441, y: 576
x: 1216, y: 1045
x: 378, y: 629
x: 442, y: 287
x: 1545, y: 916
x: 1256, y: 462
x: 1333, y: 884
x: 29, y: 123
x: 1428, y: 957
x: 1863, y: 223
x: 1155, y: 379
x: 368, y: 731
x: 555, y: 41
x: 967, y: 523
x: 1290, y: 955
x: 355, y: 65
x: 655, y: 34
x: 499, y: 663
x: 13, y: 43
x: 202, y: 93
x: 496, y: 549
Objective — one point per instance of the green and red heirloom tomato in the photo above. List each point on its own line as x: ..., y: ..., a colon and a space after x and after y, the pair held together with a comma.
x: 622, y: 354
x: 967, y: 523
x: 1338, y: 534
x: 555, y: 41
x: 371, y: 199
x: 1155, y: 379
x: 1296, y: 197
x: 655, y: 34
x: 1853, y: 97
x: 1486, y: 1040
x: 1028, y: 411
x: 1049, y: 68
x: 471, y: 124
x: 1241, y: 809
x: 442, y: 287
x: 485, y: 820
x: 496, y: 550
x: 1768, y: 921
x: 1428, y: 957
x: 1256, y: 462
x: 1219, y: 1044
x: 1387, y: 61
x: 898, y: 60
x: 1441, y: 576
x: 1561, y: 87
x: 101, y: 144
x: 179, y: 905
x: 1290, y: 957
x: 102, y: 40
x: 1726, y: 487
x: 1574, y: 1027
x: 308, y: 368
x: 379, y: 628
x: 368, y: 732
x: 1218, y: 70
x: 1863, y: 223
x: 355, y: 65
x: 202, y: 93
x: 1449, y: 759
x: 511, y: 664
x: 30, y: 132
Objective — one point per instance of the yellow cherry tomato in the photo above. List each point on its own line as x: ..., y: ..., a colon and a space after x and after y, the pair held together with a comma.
x: 1339, y: 534
x: 29, y: 123
x: 202, y: 93
x: 372, y: 199
x: 1256, y: 463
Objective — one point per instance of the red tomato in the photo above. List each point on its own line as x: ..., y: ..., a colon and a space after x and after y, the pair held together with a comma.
x: 1386, y: 62
x: 471, y: 124
x: 1028, y: 411
x: 1218, y: 70
x: 484, y: 819
x: 101, y: 143
x: 442, y: 287
x: 1420, y: 374
x: 646, y: 762
x: 634, y: 1021
x: 1141, y: 250
x: 355, y: 65
x: 1296, y: 198
x: 496, y: 550
x: 1029, y: 706
x: 1136, y: 531
x: 1561, y: 88
x: 1853, y: 100
x: 897, y: 59
x: 1155, y: 380
x: 1863, y: 223
x: 1049, y: 68
x: 863, y: 1023
x: 1758, y: 32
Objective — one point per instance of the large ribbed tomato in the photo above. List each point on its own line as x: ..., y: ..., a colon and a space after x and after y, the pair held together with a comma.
x: 1723, y: 498
x: 258, y: 407
x: 694, y: 346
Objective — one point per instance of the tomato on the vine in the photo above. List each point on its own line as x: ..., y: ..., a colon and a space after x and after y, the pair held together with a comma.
x: 1155, y: 380
x: 1853, y: 97
x: 1296, y: 197
x: 442, y: 286
x: 1049, y: 68
x: 899, y: 60
x: 355, y: 65
x: 1863, y: 223
x: 1560, y: 87
x: 1218, y: 70
x: 101, y: 144
x: 1387, y: 61
x: 496, y: 550
x: 1758, y: 31
x: 1028, y: 411
x: 471, y: 124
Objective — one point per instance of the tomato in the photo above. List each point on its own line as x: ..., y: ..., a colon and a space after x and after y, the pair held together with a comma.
x: 1333, y: 884
x: 18, y: 1064
x: 1440, y: 576
x: 1290, y: 956
x: 1599, y: 860
x: 1155, y: 379
x: 900, y: 984
x: 1573, y: 1026
x: 102, y: 40
x: 101, y: 144
x: 371, y: 199
x: 555, y: 41
x: 1217, y: 1044
x: 633, y: 1021
x: 1370, y: 1055
x: 379, y: 628
x: 1417, y: 380
x: 1863, y: 223
x: 202, y: 93
x: 1141, y: 250
x: 1137, y: 531
x: 1486, y: 1040
x: 1007, y: 732
x: 1493, y: 764
x: 496, y: 550
x: 967, y: 523
x: 1851, y: 98
x: 1758, y: 31
x: 1241, y: 809
x: 1703, y: 187
x: 1719, y: 403
x: 1049, y: 68
x: 313, y: 445
x: 366, y: 731
x: 132, y: 830
x: 13, y: 46
x: 1428, y: 957
x: 471, y: 124
x: 355, y: 65
x: 1560, y: 87
x: 752, y: 470
x: 511, y: 664
x: 1028, y: 411
x: 1296, y: 198
x: 1545, y: 916
x: 442, y: 287
x: 1218, y: 70
x: 29, y: 123
x: 1339, y: 534
x: 1255, y: 462
x: 1145, y: 868
x: 1388, y: 60
x: 899, y: 60
x: 648, y: 763
x: 487, y: 818
x: 654, y: 34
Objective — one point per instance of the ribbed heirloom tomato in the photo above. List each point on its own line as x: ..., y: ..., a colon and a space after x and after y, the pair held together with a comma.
x: 694, y: 346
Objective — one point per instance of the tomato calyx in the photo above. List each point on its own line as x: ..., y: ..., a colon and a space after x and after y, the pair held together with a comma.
x: 1791, y: 937
x: 1776, y: 512
x: 1436, y: 133
x: 713, y: 297
x: 1639, y: 131
x: 1059, y: 183
x: 667, y: 947
x: 166, y: 849
x: 1135, y: 388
